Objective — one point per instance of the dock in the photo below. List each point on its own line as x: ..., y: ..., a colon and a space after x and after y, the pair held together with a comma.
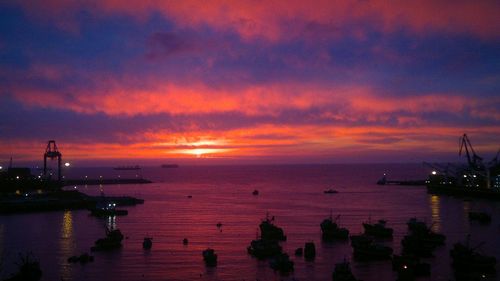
x: 404, y: 182
x: 59, y: 200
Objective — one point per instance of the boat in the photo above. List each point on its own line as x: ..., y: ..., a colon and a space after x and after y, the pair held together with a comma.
x: 309, y: 251
x: 342, y: 272
x: 360, y: 239
x: 281, y: 263
x: 185, y: 241
x: 170, y: 166
x: 262, y: 249
x: 255, y: 192
x: 269, y: 231
x: 415, y: 225
x: 421, y: 231
x: 83, y: 258
x: 113, y: 240
x: 481, y: 217
x: 147, y: 243
x: 330, y: 191
x: 107, y: 209
x: 409, y: 267
x: 371, y: 251
x: 299, y: 252
x: 418, y: 246
x: 378, y: 229
x: 28, y: 269
x: 210, y: 257
x: 467, y: 259
x: 136, y: 167
x: 330, y: 230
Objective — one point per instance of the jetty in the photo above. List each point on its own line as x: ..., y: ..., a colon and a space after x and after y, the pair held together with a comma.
x: 58, y: 200
x: 385, y: 181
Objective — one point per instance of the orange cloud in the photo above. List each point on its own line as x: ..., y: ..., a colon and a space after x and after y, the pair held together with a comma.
x: 267, y: 141
x: 347, y: 103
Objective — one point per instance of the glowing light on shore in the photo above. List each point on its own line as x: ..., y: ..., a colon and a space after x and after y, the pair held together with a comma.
x: 67, y: 164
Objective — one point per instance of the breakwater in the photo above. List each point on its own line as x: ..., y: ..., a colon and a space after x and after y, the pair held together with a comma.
x: 59, y: 200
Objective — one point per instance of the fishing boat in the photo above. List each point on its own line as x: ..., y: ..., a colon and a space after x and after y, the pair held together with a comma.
x: 281, y: 263
x: 147, y: 243
x: 170, y: 166
x: 371, y: 251
x: 342, y: 272
x: 409, y: 266
x: 309, y: 251
x: 330, y: 230
x: 210, y: 257
x: 481, y: 217
x: 269, y: 231
x: 378, y: 229
x: 262, y: 249
x: 469, y: 263
x: 113, y: 240
x: 421, y: 231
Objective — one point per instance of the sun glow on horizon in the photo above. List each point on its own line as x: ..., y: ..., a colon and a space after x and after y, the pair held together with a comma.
x: 201, y: 152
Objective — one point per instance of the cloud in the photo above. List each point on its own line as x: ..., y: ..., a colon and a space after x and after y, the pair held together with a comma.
x: 166, y: 44
x: 248, y: 78
x: 283, y: 20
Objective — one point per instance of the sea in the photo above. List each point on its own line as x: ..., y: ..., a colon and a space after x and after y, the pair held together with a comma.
x: 189, y: 202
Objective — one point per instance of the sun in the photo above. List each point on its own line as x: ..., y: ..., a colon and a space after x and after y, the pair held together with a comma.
x: 201, y: 152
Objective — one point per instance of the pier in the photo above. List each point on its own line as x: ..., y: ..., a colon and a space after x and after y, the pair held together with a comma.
x: 385, y: 181
x: 59, y: 200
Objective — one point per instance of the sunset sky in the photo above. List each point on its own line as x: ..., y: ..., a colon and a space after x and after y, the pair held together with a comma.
x: 249, y: 81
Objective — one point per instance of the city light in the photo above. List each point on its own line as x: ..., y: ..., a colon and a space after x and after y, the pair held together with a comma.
x: 67, y: 164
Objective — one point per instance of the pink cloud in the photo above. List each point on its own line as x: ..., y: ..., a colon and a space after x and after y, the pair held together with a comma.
x: 278, y: 20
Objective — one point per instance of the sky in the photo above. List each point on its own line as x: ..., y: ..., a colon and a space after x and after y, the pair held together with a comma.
x: 249, y: 81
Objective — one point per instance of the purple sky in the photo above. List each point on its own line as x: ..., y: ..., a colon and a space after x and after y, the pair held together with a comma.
x: 249, y: 81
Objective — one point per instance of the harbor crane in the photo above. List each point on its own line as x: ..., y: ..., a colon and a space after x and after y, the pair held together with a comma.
x: 475, y: 161
x: 52, y: 152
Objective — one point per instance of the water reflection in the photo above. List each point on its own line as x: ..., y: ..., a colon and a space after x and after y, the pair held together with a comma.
x: 466, y: 209
x: 111, y: 222
x: 435, y: 213
x: 67, y: 245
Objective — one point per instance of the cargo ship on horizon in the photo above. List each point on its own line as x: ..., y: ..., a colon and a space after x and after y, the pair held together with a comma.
x: 136, y: 167
x: 170, y: 166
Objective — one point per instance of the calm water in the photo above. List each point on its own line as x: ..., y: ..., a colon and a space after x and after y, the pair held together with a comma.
x: 293, y: 194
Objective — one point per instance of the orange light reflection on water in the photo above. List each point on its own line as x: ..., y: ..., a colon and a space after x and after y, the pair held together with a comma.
x: 67, y: 245
x: 435, y: 213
